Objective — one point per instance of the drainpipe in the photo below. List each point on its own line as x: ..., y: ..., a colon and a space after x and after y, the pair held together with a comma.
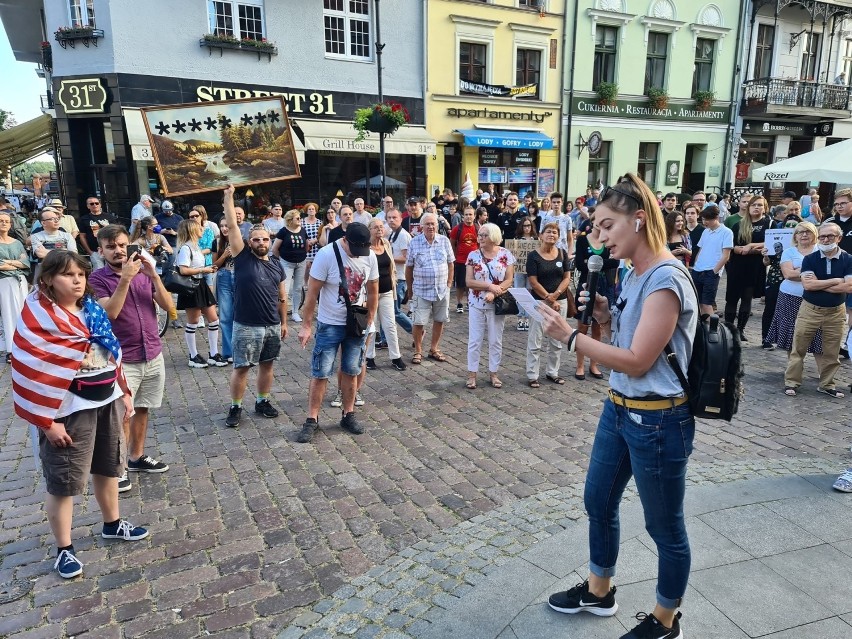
x: 735, y: 82
x: 570, y: 94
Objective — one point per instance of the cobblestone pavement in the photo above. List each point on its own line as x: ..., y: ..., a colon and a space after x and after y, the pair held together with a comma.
x: 254, y: 535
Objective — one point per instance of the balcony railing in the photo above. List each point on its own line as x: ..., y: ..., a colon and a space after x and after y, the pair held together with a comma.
x: 796, y: 93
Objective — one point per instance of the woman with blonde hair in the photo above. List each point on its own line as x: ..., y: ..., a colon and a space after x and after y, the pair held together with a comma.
x: 190, y: 262
x: 291, y: 248
x: 646, y: 428
x: 746, y: 273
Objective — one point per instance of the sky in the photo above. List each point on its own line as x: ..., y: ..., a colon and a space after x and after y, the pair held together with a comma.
x: 21, y: 86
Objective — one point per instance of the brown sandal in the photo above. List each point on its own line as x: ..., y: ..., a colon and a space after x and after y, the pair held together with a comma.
x: 438, y: 356
x: 417, y: 358
x: 534, y: 383
x: 495, y: 382
x: 471, y: 383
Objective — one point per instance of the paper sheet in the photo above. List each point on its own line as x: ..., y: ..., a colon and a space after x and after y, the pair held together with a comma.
x: 526, y: 301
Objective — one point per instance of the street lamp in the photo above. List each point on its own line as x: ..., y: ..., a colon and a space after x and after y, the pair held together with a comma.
x: 379, y: 47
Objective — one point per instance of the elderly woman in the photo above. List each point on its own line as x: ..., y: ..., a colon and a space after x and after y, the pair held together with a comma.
x: 490, y: 273
x: 68, y: 382
x: 14, y: 267
x: 385, y: 313
x: 312, y: 224
x: 291, y: 247
x: 549, y: 274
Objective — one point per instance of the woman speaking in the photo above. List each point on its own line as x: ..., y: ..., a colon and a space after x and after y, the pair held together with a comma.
x: 646, y: 428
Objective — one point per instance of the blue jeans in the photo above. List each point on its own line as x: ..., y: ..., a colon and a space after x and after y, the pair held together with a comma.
x: 225, y: 299
x: 652, y: 446
x: 329, y: 339
x: 401, y: 318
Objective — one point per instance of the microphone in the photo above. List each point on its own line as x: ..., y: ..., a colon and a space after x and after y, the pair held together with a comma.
x: 595, y: 265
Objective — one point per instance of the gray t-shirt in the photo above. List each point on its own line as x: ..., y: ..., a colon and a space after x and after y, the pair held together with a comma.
x: 660, y: 379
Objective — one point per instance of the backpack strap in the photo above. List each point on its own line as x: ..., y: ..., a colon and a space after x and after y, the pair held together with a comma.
x: 342, y: 289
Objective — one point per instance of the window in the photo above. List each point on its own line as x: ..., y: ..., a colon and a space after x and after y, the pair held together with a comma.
x: 248, y: 24
x: 655, y: 62
x: 763, y: 51
x: 528, y: 70
x: 647, y: 169
x: 847, y: 61
x: 702, y: 77
x: 472, y: 62
x: 347, y: 28
x: 82, y: 13
x: 605, y: 52
x: 599, y: 166
x: 810, y: 53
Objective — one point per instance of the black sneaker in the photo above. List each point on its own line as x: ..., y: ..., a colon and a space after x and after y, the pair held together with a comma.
x: 217, y: 360
x: 381, y: 344
x: 198, y: 362
x: 308, y: 429
x: 398, y: 364
x: 844, y: 354
x: 235, y: 414
x: 124, y: 483
x: 146, y: 464
x: 350, y: 423
x: 743, y: 337
x: 459, y: 308
x: 371, y: 364
x: 579, y: 599
x: 650, y: 628
x: 265, y: 408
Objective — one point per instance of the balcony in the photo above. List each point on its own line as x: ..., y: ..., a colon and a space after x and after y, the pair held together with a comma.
x: 799, y: 98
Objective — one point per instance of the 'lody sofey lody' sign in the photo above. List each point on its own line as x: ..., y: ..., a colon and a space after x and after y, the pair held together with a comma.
x: 638, y: 108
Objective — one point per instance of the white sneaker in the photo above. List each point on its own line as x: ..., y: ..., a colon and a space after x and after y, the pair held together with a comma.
x: 337, y: 402
x: 359, y: 401
x: 296, y: 317
x: 201, y: 323
x: 520, y: 325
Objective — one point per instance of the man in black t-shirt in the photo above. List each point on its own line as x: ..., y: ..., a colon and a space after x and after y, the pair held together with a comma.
x: 260, y: 314
x: 347, y: 215
x: 90, y: 223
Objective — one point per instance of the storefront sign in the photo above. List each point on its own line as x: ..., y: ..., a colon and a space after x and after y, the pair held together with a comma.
x: 494, y: 175
x: 491, y: 114
x: 519, y: 175
x: 489, y: 157
x: 497, y: 89
x: 769, y: 127
x: 639, y: 109
x: 672, y: 172
x: 524, y: 158
x: 546, y: 182
x: 82, y: 95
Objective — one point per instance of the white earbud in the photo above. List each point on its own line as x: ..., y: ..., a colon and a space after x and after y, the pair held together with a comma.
x: 638, y: 224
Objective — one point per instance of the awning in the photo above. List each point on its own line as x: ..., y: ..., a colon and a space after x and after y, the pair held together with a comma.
x: 502, y: 139
x: 26, y: 141
x: 322, y: 135
x: 141, y: 148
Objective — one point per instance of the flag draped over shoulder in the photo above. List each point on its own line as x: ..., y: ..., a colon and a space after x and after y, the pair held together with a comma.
x: 50, y: 345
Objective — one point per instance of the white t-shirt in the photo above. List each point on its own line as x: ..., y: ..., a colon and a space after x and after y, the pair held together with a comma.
x: 712, y: 242
x: 791, y: 255
x: 364, y: 218
x: 359, y: 271
x: 191, y: 257
x: 399, y: 244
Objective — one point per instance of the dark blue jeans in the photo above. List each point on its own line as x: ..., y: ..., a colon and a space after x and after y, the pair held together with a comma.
x: 653, y: 446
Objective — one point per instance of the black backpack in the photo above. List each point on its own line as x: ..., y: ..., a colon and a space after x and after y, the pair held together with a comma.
x: 714, y: 379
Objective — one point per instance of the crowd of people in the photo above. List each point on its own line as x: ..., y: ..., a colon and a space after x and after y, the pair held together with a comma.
x: 351, y: 280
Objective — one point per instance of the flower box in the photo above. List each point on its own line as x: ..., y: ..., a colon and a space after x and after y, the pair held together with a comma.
x: 221, y: 42
x: 68, y: 36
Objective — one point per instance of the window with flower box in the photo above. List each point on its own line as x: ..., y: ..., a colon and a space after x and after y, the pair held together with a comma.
x: 347, y: 26
x: 241, y: 19
x: 82, y: 13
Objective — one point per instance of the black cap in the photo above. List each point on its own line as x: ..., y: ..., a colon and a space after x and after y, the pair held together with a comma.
x: 414, y: 200
x: 790, y: 194
x: 358, y: 238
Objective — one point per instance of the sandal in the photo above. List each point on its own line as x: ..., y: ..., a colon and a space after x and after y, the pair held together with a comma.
x: 555, y: 380
x: 471, y: 383
x: 790, y: 391
x: 417, y: 358
x: 495, y: 382
x: 438, y: 356
x: 534, y: 383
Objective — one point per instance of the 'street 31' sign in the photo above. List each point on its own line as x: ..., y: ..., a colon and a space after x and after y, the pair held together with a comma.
x: 82, y: 95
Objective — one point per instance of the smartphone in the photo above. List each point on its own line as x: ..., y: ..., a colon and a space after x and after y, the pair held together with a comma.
x: 132, y: 250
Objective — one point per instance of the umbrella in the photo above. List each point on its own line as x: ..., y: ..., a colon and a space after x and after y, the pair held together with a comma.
x: 832, y: 163
x: 467, y: 187
x: 376, y: 182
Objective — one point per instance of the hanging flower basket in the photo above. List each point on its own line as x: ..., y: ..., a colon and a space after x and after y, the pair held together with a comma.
x: 384, y: 117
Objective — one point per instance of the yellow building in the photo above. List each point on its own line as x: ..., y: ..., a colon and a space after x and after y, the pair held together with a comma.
x: 493, y: 93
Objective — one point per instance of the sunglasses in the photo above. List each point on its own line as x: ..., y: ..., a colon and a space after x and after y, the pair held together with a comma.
x: 194, y: 217
x: 93, y: 203
x: 609, y: 190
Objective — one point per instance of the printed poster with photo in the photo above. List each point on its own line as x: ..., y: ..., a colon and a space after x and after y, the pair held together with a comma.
x: 546, y: 182
x: 778, y: 236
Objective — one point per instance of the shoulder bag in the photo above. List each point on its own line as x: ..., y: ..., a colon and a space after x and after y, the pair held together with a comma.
x: 180, y: 284
x: 356, y: 316
x: 504, y: 304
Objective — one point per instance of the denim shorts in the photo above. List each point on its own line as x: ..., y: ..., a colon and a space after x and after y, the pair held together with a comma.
x: 330, y: 338
x: 707, y: 285
x: 255, y: 344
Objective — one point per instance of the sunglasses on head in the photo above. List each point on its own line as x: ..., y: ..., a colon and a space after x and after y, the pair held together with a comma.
x: 609, y: 190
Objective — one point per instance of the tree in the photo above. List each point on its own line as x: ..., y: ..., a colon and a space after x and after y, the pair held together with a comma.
x: 7, y: 120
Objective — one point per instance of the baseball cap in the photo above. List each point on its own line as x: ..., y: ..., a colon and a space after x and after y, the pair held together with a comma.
x: 358, y: 238
x: 413, y: 200
x: 56, y: 203
x: 485, y: 196
x: 146, y: 198
x: 167, y: 205
x: 791, y: 194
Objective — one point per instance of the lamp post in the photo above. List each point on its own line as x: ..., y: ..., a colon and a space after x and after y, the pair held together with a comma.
x: 379, y: 47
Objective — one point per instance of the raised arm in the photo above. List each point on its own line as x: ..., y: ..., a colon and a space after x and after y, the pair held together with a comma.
x: 235, y: 239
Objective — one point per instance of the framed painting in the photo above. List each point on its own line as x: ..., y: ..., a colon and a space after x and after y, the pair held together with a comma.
x: 205, y: 146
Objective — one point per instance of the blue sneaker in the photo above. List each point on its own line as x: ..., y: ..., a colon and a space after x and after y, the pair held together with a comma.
x: 67, y: 564
x: 124, y: 530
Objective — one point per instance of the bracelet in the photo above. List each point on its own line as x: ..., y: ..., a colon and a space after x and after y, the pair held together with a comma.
x: 571, y: 346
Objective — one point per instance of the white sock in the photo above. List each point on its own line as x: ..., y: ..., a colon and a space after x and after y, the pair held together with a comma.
x: 213, y: 338
x: 189, y: 336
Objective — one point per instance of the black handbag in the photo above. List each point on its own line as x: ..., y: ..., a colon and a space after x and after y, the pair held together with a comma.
x: 180, y: 284
x: 356, y: 316
x: 504, y: 304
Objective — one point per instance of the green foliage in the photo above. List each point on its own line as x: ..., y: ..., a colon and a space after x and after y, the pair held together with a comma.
x: 7, y: 120
x: 396, y: 114
x: 607, y: 92
x: 657, y: 98
x: 703, y: 99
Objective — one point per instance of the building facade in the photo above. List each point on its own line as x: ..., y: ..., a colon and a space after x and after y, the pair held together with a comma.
x: 494, y: 93
x: 796, y: 91
x: 320, y: 56
x: 651, y: 92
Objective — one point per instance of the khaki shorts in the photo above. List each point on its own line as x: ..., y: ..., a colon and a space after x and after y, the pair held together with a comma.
x: 98, y: 448
x: 426, y: 311
x: 146, y: 381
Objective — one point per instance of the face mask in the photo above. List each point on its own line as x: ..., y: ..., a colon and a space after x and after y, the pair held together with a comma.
x: 827, y: 248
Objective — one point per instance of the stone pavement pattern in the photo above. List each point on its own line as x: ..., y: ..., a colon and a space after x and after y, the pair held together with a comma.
x: 254, y: 535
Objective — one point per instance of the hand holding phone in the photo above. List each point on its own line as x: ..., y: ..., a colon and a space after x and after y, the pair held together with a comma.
x: 133, y: 252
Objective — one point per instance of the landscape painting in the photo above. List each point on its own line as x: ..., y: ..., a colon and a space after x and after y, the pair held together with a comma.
x: 205, y: 146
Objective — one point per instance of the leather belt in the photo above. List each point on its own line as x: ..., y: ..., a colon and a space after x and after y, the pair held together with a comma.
x: 642, y: 404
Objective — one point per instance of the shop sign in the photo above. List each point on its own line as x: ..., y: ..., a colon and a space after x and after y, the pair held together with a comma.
x: 639, y: 109
x: 672, y: 172
x: 768, y: 127
x: 521, y: 175
x: 82, y: 95
x: 491, y: 114
x: 493, y: 175
x: 497, y: 89
x: 489, y: 157
x: 524, y: 158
